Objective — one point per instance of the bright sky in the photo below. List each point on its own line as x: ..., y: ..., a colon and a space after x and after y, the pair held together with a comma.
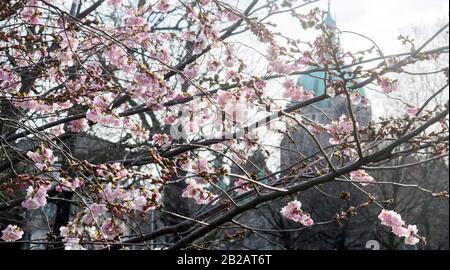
x: 381, y: 20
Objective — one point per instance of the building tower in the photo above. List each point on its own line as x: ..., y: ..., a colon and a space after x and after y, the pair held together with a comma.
x: 323, y: 112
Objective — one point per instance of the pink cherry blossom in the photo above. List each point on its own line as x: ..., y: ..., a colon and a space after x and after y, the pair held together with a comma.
x: 115, y: 2
x: 232, y: 17
x: 198, y: 193
x: 117, y: 55
x: 161, y: 139
x: 36, y: 198
x: 236, y: 110
x: 31, y: 13
x: 303, y: 60
x: 144, y: 200
x: 111, y: 195
x: 190, y: 36
x: 341, y: 128
x: 191, y: 127
x: 295, y: 92
x: 411, y: 235
x: 281, y: 68
x: 98, y: 115
x: 170, y: 119
x: 395, y: 222
x: 205, y: 2
x: 213, y: 66
x: 391, y: 218
x: 242, y: 186
x: 201, y: 165
x: 294, y: 212
x: 163, y: 6
x: 43, y: 158
x: 135, y: 21
x: 69, y: 41
x: 93, y: 212
x: 79, y: 125
x: 69, y: 184
x: 66, y: 58
x: 362, y: 177
x: 411, y: 110
x: 8, y: 80
x: 35, y: 157
x: 111, y: 229
x: 389, y: 85
x: 12, y: 233
x: 192, y: 71
x: 223, y: 97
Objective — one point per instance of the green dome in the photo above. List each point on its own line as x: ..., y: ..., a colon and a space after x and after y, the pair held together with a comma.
x: 315, y: 82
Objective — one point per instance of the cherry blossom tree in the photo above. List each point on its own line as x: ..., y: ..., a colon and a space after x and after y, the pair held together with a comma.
x: 170, y: 83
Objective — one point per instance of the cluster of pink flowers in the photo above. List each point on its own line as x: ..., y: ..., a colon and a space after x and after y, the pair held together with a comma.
x: 8, y: 81
x: 161, y: 139
x: 43, y: 158
x: 111, y: 195
x: 388, y: 85
x: 236, y: 109
x: 69, y: 41
x: 296, y: 92
x: 67, y: 184
x: 98, y: 115
x: 31, y: 13
x: 281, y: 67
x: 117, y: 56
x: 79, y: 125
x: 144, y: 199
x: 69, y: 44
x: 70, y: 239
x: 338, y: 129
x: 95, y: 222
x: 294, y: 212
x: 36, y: 197
x: 93, y: 212
x: 115, y: 2
x: 112, y: 171
x: 33, y: 104
x: 198, y: 193
x: 223, y: 97
x: 150, y: 89
x: 362, y: 177
x: 66, y: 58
x: 111, y: 229
x: 12, y: 233
x: 163, y: 6
x: 393, y: 220
x: 135, y: 21
x: 359, y: 100
x: 411, y: 110
x: 192, y: 71
x: 304, y: 61
x: 205, y: 2
x: 242, y: 186
x: 136, y: 130
x: 200, y: 166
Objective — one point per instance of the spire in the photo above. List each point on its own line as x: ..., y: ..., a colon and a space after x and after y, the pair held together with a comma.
x: 329, y: 21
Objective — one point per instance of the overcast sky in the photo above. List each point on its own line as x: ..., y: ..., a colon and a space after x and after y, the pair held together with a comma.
x: 381, y: 20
